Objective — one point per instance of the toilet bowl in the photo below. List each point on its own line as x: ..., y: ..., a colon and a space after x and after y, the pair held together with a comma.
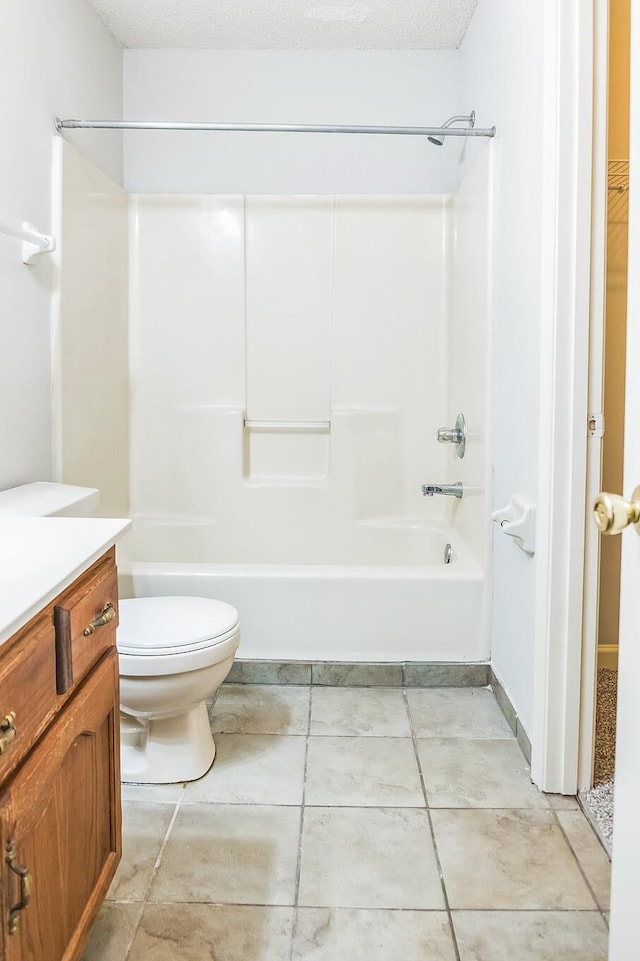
x: 174, y: 652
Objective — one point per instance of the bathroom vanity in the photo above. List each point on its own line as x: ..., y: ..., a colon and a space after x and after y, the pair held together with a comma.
x: 59, y: 748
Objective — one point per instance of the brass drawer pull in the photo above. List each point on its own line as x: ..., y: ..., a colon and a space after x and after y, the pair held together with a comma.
x: 7, y: 730
x: 108, y: 614
x: 25, y: 887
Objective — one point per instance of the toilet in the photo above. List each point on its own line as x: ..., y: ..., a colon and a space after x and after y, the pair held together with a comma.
x: 174, y: 653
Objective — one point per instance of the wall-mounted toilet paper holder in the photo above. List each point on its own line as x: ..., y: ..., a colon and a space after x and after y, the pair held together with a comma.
x: 518, y: 520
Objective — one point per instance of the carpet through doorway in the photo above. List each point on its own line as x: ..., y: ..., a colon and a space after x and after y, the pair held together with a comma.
x: 599, y: 800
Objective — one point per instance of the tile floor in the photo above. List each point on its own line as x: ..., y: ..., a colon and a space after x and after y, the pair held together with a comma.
x: 373, y: 824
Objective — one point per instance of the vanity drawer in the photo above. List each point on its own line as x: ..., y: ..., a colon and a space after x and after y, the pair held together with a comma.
x: 85, y: 624
x: 27, y: 691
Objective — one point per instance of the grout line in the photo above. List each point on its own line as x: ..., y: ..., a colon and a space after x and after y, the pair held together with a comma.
x: 395, y: 805
x: 136, y: 925
x: 433, y: 836
x: 580, y: 867
x: 358, y: 907
x: 144, y: 900
x: 156, y: 865
x: 294, y: 924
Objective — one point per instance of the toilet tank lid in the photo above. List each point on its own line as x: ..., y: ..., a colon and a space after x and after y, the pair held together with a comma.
x: 46, y: 499
x: 155, y: 625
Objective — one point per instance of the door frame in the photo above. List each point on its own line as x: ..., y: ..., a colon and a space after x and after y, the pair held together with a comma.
x: 564, y: 672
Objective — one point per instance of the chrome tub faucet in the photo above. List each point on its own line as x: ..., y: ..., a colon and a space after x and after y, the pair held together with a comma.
x: 452, y: 490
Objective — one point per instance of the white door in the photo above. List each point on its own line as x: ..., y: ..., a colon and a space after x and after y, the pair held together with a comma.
x: 624, y: 942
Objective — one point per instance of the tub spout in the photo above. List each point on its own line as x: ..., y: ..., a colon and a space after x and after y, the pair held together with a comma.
x: 453, y: 490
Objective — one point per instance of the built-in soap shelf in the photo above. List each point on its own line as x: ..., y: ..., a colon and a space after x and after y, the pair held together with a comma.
x: 286, y: 452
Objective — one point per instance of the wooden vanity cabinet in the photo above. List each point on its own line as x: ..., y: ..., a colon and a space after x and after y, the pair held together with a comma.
x: 60, y: 830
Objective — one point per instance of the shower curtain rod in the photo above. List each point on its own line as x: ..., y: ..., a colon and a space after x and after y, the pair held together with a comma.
x: 274, y: 128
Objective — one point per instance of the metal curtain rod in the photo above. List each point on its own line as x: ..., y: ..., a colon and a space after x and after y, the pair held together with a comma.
x: 274, y: 128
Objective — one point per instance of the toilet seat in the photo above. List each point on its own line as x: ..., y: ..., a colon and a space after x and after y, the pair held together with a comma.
x: 172, y: 635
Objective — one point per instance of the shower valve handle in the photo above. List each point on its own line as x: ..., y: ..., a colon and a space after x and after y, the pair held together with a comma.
x: 449, y: 435
x: 455, y: 435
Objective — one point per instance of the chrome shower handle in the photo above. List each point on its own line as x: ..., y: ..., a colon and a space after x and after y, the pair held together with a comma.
x: 449, y: 435
x: 455, y: 435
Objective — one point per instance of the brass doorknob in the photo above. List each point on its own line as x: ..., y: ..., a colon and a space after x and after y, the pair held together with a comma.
x: 612, y: 513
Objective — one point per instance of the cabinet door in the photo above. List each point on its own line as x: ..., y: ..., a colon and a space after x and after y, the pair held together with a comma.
x: 60, y: 827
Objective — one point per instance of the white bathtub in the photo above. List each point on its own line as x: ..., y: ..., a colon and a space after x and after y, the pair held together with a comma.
x: 419, y: 609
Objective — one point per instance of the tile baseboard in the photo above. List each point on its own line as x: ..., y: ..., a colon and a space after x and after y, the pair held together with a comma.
x: 511, y: 715
x: 360, y: 674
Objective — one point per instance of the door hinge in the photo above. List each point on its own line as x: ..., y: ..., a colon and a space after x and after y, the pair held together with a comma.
x: 595, y: 425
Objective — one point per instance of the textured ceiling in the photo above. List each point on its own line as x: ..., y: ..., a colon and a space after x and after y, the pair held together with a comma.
x: 287, y: 24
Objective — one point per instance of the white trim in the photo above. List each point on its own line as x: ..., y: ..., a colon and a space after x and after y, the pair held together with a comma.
x: 626, y: 829
x: 591, y: 654
x: 563, y: 392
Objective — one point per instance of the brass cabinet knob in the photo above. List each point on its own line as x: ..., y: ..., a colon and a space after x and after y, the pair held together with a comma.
x: 22, y: 873
x: 7, y: 730
x: 108, y: 614
x: 612, y: 513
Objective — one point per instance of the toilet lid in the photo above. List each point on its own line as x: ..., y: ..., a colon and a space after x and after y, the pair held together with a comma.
x: 170, y: 625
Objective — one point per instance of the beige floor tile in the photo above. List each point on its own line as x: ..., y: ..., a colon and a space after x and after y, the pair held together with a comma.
x: 113, y: 932
x: 471, y: 712
x: 461, y: 772
x: 590, y: 853
x: 495, y: 859
x: 363, y: 772
x: 144, y: 827
x: 374, y: 712
x: 253, y: 769
x: 368, y: 858
x: 231, y: 854
x: 195, y: 932
x: 326, y: 934
x: 530, y: 935
x: 261, y: 709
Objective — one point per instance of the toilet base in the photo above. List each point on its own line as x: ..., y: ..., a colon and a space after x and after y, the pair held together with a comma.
x: 168, y: 749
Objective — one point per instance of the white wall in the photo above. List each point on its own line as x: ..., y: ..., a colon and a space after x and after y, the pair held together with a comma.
x: 292, y: 86
x: 501, y: 61
x: 56, y: 57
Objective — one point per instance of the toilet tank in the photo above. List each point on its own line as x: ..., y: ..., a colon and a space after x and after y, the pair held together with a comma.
x: 45, y: 499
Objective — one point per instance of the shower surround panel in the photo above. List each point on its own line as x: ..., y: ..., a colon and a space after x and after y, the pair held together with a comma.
x: 323, y: 319
x: 291, y: 361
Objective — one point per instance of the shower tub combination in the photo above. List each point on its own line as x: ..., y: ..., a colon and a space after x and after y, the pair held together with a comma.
x: 293, y: 358
x: 414, y: 607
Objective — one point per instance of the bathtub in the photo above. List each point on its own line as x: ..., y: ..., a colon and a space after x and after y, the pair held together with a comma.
x: 413, y: 607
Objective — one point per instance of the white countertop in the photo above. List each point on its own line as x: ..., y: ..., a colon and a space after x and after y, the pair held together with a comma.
x: 40, y: 556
